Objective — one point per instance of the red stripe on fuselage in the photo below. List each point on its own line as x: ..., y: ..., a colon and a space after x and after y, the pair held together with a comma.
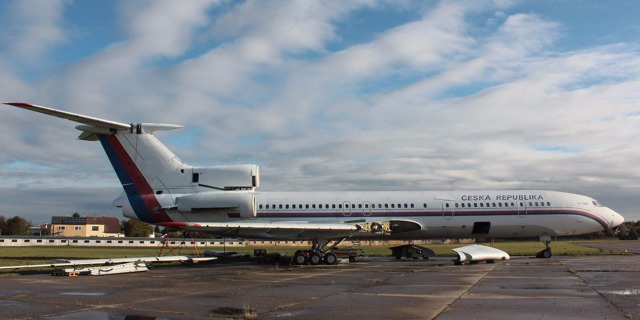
x: 146, y: 192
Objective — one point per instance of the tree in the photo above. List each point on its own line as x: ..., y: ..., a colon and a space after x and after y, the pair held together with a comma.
x: 17, y: 226
x: 76, y: 215
x: 136, y: 228
x: 3, y: 222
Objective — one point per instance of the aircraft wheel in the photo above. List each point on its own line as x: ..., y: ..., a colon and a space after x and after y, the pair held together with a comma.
x: 315, y: 258
x: 331, y: 259
x: 546, y: 254
x: 300, y: 258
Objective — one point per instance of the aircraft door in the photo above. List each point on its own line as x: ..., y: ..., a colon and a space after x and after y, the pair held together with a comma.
x: 522, y: 209
x: 448, y: 209
x: 346, y: 209
x: 366, y: 208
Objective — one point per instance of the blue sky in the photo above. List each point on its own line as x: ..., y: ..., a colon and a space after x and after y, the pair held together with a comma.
x: 327, y: 95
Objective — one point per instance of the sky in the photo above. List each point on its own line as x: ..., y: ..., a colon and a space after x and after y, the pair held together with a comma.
x: 327, y: 95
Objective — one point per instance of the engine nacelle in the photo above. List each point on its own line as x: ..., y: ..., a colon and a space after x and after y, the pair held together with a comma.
x: 233, y: 177
x: 223, y: 202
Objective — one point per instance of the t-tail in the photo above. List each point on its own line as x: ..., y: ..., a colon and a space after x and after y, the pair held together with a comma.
x: 154, y: 179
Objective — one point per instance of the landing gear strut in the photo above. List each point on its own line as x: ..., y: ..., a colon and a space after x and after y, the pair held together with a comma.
x: 546, y: 253
x: 317, y: 254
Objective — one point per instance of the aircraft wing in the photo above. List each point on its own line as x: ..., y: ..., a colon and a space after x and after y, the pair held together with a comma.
x: 107, y: 261
x: 270, y: 229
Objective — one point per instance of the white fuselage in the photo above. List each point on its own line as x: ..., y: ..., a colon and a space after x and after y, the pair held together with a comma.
x: 439, y: 214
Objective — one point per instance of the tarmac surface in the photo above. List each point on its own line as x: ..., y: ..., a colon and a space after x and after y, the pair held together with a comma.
x: 589, y: 287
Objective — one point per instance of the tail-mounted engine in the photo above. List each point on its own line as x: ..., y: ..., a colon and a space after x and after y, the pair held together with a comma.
x: 220, y: 202
x: 232, y: 177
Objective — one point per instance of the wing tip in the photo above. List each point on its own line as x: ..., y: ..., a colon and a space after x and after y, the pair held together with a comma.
x: 19, y: 104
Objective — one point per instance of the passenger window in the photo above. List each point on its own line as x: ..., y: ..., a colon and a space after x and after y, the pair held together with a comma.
x: 260, y: 207
x: 475, y: 205
x: 456, y: 204
x: 446, y: 205
x: 481, y: 205
x: 424, y: 205
x: 287, y: 206
x: 500, y: 204
x: 280, y: 206
x: 548, y: 204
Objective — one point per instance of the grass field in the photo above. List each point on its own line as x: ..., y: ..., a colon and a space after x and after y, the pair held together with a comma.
x: 40, y: 255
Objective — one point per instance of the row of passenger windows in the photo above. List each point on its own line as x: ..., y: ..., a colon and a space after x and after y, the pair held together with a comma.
x: 341, y: 206
x: 398, y: 206
x: 499, y: 204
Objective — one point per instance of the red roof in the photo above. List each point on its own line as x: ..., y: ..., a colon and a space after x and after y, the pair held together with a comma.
x: 111, y: 225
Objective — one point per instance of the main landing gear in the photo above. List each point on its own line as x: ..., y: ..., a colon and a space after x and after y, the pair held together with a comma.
x: 317, y: 254
x: 546, y: 253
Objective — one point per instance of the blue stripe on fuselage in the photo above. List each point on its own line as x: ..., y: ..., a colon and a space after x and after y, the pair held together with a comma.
x: 130, y: 189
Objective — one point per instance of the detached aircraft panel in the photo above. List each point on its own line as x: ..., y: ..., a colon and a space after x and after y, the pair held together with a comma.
x: 477, y: 253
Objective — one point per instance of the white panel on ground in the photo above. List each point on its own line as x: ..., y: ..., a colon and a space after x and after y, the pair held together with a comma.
x: 477, y: 253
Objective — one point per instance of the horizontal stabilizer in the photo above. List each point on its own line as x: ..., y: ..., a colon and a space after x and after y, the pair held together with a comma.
x: 96, y: 122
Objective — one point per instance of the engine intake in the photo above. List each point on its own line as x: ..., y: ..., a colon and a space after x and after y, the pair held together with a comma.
x: 224, y: 202
x: 232, y: 177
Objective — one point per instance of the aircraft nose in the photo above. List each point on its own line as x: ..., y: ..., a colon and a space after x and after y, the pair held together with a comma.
x: 617, y: 219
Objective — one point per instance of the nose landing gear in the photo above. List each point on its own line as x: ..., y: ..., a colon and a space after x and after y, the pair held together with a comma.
x: 546, y: 253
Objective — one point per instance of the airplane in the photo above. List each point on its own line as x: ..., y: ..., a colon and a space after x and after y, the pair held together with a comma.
x: 162, y: 190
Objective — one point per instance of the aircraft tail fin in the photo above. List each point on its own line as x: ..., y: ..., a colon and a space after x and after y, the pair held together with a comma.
x: 145, y: 167
x: 152, y: 176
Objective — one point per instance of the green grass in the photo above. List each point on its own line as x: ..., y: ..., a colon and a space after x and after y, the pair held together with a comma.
x: 43, y: 254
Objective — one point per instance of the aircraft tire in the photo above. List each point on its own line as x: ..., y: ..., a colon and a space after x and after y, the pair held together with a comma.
x: 300, y: 258
x: 331, y: 259
x: 546, y: 254
x: 315, y: 258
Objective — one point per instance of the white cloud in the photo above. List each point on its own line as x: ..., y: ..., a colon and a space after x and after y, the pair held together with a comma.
x: 30, y: 29
x: 460, y: 96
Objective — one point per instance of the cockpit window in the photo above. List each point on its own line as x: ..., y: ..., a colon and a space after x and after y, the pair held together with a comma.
x: 596, y: 203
